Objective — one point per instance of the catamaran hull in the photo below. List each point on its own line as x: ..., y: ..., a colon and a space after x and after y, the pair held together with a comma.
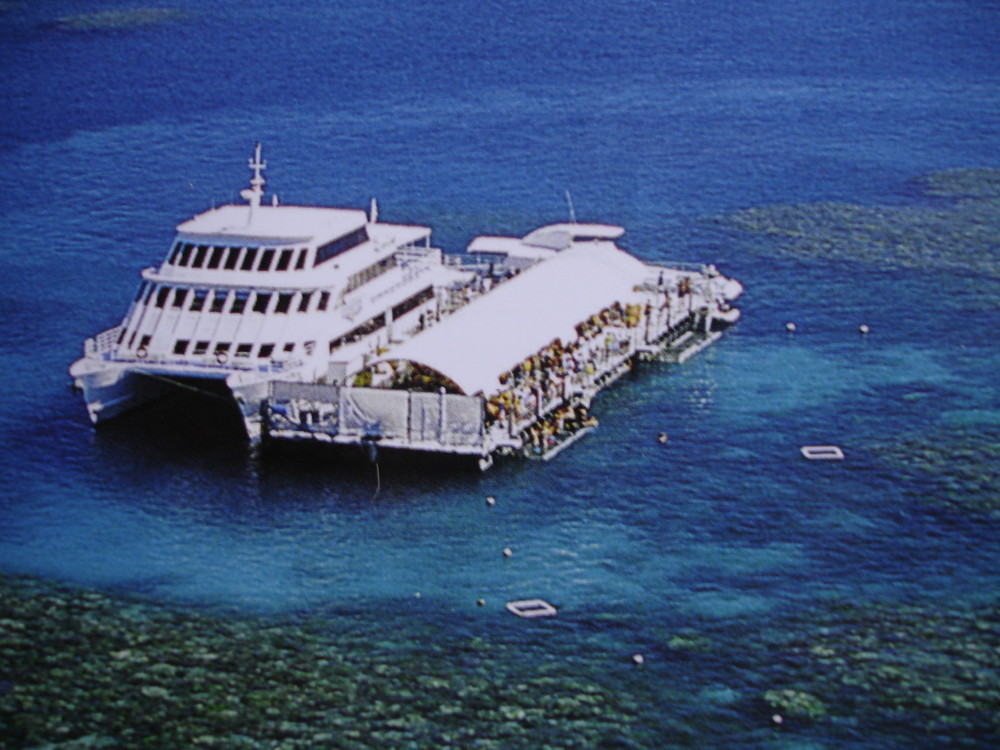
x: 111, y: 389
x: 114, y: 390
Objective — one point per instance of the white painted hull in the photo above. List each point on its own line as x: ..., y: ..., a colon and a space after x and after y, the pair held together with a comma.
x: 112, y: 388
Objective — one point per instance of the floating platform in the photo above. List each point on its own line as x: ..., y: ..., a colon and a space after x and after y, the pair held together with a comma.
x: 822, y: 452
x: 531, y: 608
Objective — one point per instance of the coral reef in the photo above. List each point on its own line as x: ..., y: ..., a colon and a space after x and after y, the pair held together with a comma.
x: 955, y: 230
x: 958, y: 467
x: 81, y: 669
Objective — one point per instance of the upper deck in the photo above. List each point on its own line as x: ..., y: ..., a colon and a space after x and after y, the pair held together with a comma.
x: 272, y: 224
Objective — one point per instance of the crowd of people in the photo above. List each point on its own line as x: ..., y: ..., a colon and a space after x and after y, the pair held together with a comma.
x: 535, y: 395
x: 556, y: 427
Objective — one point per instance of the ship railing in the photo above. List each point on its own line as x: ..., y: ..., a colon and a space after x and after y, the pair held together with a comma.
x: 103, y: 343
x: 403, y: 419
x: 414, y: 262
x: 214, y: 363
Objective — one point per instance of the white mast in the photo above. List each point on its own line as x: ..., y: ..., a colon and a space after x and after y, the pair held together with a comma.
x: 255, y: 192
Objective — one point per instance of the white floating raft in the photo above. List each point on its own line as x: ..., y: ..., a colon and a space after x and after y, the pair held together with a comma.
x: 822, y: 452
x: 531, y: 608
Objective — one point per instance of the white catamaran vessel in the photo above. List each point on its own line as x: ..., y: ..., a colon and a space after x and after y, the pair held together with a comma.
x: 261, y: 292
x: 325, y: 324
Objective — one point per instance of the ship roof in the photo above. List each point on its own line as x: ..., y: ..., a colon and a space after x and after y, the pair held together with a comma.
x: 288, y: 223
x: 543, y: 241
x: 478, y: 343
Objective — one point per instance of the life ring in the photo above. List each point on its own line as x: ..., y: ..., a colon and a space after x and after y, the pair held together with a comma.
x: 142, y: 352
x: 222, y: 358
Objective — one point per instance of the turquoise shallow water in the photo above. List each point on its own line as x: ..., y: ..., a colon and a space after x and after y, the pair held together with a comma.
x: 660, y: 118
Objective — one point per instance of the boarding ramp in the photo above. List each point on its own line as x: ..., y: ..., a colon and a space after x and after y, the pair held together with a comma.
x: 440, y: 422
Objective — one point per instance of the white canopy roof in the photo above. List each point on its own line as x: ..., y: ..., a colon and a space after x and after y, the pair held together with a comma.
x: 543, y: 241
x: 498, y: 330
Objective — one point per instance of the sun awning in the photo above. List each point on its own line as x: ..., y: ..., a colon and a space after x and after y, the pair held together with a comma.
x: 492, y: 334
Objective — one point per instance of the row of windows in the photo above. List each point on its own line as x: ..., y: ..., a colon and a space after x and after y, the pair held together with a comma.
x: 358, y: 333
x: 408, y: 304
x: 196, y: 300
x: 224, y: 348
x: 183, y: 347
x: 186, y: 254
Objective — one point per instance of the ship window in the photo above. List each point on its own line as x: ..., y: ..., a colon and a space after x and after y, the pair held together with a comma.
x: 324, y: 300
x: 185, y: 255
x: 239, y: 302
x: 161, y: 295
x: 179, y: 296
x: 340, y: 245
x: 198, y: 300
x: 289, y: 348
x: 304, y: 302
x: 265, y: 351
x: 222, y: 348
x: 300, y: 262
x: 216, y: 258
x: 181, y: 347
x: 243, y: 350
x: 121, y: 336
x: 232, y: 257
x: 260, y: 303
x: 284, y: 302
x: 131, y: 339
x: 175, y: 253
x: 144, y: 341
x: 417, y: 299
x: 200, y: 347
x: 265, y: 259
x: 248, y: 259
x: 284, y: 259
x: 218, y: 300
x: 199, y: 256
x: 358, y: 333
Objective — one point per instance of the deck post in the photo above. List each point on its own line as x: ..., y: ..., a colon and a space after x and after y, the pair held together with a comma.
x: 441, y: 421
x: 409, y: 417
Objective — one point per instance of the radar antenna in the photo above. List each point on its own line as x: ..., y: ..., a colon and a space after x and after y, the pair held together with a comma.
x: 255, y: 192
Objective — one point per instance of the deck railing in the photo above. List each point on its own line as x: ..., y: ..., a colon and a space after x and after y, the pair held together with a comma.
x: 102, y: 343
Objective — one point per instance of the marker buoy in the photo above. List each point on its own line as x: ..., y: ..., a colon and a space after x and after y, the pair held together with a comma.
x: 481, y: 602
x: 863, y: 329
x: 790, y: 327
x: 662, y: 437
x: 507, y: 552
x: 638, y: 659
x: 491, y: 501
x: 777, y: 719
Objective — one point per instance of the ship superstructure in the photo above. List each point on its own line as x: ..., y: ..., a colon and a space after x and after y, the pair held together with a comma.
x: 264, y: 291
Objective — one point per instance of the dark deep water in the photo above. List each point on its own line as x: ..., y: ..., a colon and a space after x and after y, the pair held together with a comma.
x: 475, y: 118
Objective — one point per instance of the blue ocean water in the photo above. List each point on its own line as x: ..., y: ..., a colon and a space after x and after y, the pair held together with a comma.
x: 475, y: 118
